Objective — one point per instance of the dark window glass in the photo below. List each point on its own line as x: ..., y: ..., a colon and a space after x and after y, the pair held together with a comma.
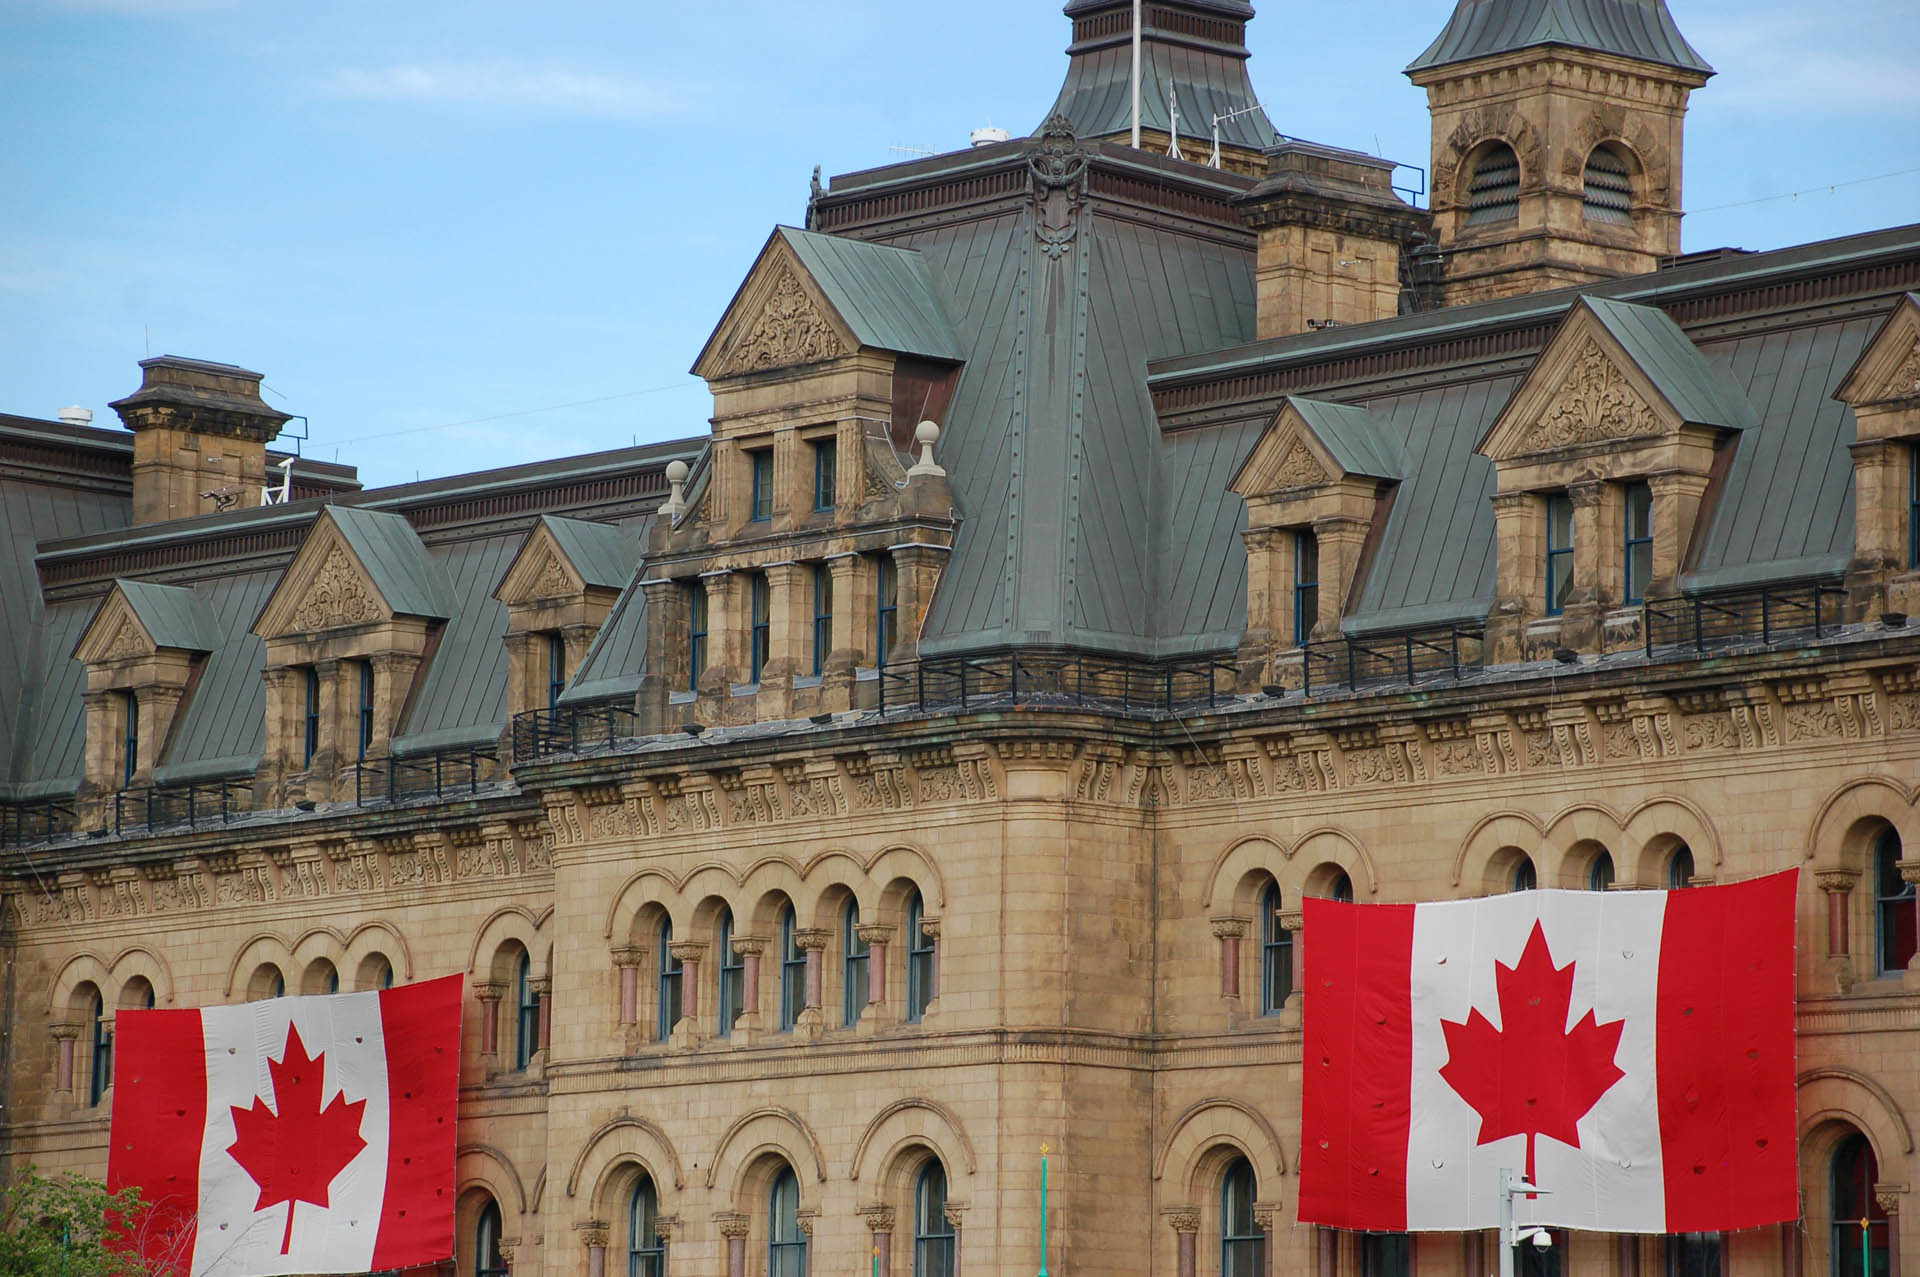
x: 1241, y: 1240
x: 1609, y: 188
x: 556, y: 669
x: 1342, y: 888
x: 793, y: 972
x: 102, y: 1073
x: 130, y: 736
x: 667, y: 1012
x: 1524, y: 878
x: 1386, y: 1254
x: 1276, y: 953
x: 887, y: 601
x: 733, y: 978
x: 760, y: 600
x: 646, y: 1255
x: 311, y: 738
x: 1306, y: 585
x: 383, y: 973
x: 1680, y: 868
x: 332, y: 983
x: 762, y: 484
x: 1531, y: 1261
x: 920, y: 968
x: 1693, y: 1255
x: 1600, y: 872
x: 527, y: 1018
x: 825, y: 474
x: 696, y: 633
x: 277, y: 987
x: 364, y: 738
x: 859, y: 957
x: 932, y: 1234
x: 1559, y: 552
x: 1893, y: 904
x: 1493, y: 192
x: 1859, y: 1227
x: 822, y: 616
x: 1638, y: 551
x: 786, y: 1244
x: 1913, y: 505
x: 488, y: 1261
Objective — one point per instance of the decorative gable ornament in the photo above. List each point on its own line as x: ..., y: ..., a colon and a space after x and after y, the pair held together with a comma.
x: 1888, y: 370
x: 1313, y: 443
x: 128, y: 640
x: 118, y: 631
x: 338, y: 596
x: 791, y: 331
x: 115, y: 634
x: 1594, y: 402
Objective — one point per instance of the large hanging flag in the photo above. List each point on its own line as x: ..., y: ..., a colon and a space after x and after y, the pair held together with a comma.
x: 296, y: 1135
x: 1630, y: 1052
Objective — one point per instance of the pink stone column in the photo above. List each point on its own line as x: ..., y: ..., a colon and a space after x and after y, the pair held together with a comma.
x: 1630, y: 1255
x: 595, y: 1235
x: 1186, y: 1234
x: 749, y: 950
x: 876, y: 935
x: 64, y: 1036
x: 688, y: 953
x: 542, y: 990
x: 627, y: 958
x: 1888, y: 1199
x: 1295, y: 921
x: 880, y: 1227
x: 1230, y: 931
x: 812, y: 942
x: 489, y: 996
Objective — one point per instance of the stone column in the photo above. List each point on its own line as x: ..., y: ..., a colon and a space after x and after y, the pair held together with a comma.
x: 1838, y: 886
x: 508, y: 1245
x: 1341, y: 538
x: 1879, y: 500
x: 1185, y: 1221
x: 733, y: 1226
x: 1910, y: 872
x: 876, y: 935
x: 1790, y: 1261
x: 1630, y: 1255
x: 956, y: 1214
x: 1887, y: 1196
x: 489, y: 994
x: 880, y: 1224
x: 392, y: 679
x: 688, y: 953
x: 804, y: 1221
x: 64, y: 1037
x: 156, y: 708
x: 1676, y: 504
x: 1580, y: 620
x: 1328, y: 1245
x: 917, y: 570
x: 930, y: 928
x: 789, y: 638
x: 327, y: 748
x: 542, y: 990
x: 1230, y: 932
x: 1263, y: 1217
x: 726, y: 632
x: 627, y: 959
x: 750, y: 949
x: 1269, y: 584
x: 593, y: 1235
x: 812, y: 942
x: 1295, y: 921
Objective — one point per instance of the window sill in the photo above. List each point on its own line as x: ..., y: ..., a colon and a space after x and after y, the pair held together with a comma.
x: 744, y: 689
x: 811, y: 680
x: 682, y: 698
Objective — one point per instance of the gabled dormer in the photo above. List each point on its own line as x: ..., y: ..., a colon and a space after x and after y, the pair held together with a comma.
x: 347, y: 631
x: 1883, y: 389
x: 558, y: 591
x: 1316, y: 484
x: 1601, y: 459
x: 143, y: 652
x: 804, y: 545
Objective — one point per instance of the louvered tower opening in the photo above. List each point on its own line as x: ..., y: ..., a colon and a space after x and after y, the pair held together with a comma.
x: 1493, y: 194
x: 1609, y: 189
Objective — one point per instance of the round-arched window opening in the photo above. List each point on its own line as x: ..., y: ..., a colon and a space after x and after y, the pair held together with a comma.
x: 1608, y: 190
x: 1680, y: 868
x: 646, y: 1253
x: 932, y: 1232
x: 1341, y: 888
x: 1493, y: 192
x: 1600, y: 872
x: 1859, y: 1226
x: 487, y: 1259
x: 786, y: 1244
x: 1241, y: 1239
x: 1524, y: 876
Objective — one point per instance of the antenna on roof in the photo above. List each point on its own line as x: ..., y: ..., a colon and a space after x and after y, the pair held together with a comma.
x: 911, y: 150
x: 270, y: 495
x: 1173, y: 123
x: 1245, y: 110
x: 1134, y: 96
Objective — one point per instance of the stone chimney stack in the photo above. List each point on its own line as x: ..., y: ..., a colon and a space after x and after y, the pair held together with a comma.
x: 1331, y: 230
x: 200, y: 438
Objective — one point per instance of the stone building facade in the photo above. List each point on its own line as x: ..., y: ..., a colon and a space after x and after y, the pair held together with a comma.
x: 928, y: 764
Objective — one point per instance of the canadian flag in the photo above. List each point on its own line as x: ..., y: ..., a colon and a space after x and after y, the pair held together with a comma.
x: 295, y: 1135
x: 1631, y: 1052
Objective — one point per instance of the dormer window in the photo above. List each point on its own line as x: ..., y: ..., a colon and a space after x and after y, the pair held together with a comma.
x: 762, y: 462
x: 310, y: 734
x: 760, y: 597
x: 130, y: 736
x: 1493, y: 193
x: 1637, y: 551
x: 696, y: 633
x: 1559, y: 552
x: 887, y: 609
x: 1306, y: 585
x: 826, y: 464
x: 556, y: 669
x: 1609, y: 188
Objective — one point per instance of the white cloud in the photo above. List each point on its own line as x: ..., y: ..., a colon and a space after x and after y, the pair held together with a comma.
x: 509, y: 87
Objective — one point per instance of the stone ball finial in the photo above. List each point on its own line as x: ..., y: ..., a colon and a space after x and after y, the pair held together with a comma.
x: 676, y: 502
x: 676, y: 471
x: 926, y: 434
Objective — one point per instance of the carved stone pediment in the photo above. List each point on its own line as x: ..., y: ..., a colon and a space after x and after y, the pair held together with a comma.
x: 1312, y: 443
x: 539, y: 571
x: 780, y: 319
x: 118, y: 632
x: 326, y: 587
x: 1286, y: 457
x: 1594, y: 402
x: 1888, y: 370
x: 114, y: 634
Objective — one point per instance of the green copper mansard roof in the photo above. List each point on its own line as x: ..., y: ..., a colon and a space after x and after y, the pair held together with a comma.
x: 1639, y: 29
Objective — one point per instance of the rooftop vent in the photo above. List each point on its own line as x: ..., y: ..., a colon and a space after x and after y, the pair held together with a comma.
x: 75, y: 415
x: 990, y: 135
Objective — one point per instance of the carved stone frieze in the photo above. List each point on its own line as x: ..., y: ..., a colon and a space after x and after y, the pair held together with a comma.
x: 789, y: 332
x: 1299, y: 468
x: 338, y: 596
x: 1595, y: 402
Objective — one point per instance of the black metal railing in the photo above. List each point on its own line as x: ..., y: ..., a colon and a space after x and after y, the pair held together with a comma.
x: 571, y: 728
x: 1765, y: 612
x: 436, y: 773
x: 35, y: 820
x: 1062, y: 679
x: 186, y: 806
x: 1408, y: 656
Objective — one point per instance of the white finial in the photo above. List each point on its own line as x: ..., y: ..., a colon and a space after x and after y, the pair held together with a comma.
x: 926, y: 434
x: 676, y: 502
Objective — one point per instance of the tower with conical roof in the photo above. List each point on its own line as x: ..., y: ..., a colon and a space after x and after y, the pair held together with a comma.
x: 1556, y: 141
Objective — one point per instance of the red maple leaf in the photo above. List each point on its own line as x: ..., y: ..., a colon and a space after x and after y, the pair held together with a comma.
x: 295, y: 1153
x: 1533, y: 1076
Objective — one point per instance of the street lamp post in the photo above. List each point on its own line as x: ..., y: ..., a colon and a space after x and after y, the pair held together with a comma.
x: 1512, y: 1234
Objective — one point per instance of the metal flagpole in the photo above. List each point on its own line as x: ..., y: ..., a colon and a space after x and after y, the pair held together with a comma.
x: 1136, y: 74
x: 1043, y: 1200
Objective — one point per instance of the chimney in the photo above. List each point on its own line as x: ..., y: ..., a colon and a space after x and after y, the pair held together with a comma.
x: 1331, y: 230
x: 200, y: 438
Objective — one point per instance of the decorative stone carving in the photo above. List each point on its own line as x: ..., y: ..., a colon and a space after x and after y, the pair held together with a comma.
x: 127, y: 641
x: 1184, y: 1219
x: 552, y: 580
x: 1905, y: 381
x: 879, y: 1219
x: 1594, y: 403
x: 1298, y: 468
x: 338, y: 596
x: 790, y: 331
x: 1058, y: 174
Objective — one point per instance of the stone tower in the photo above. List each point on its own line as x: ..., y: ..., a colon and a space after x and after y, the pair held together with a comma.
x: 1556, y: 141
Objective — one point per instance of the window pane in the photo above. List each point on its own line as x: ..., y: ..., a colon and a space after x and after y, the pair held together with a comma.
x: 1894, y: 914
x: 824, y: 474
x: 1523, y: 875
x: 762, y: 485
x: 1600, y: 876
x: 1680, y: 868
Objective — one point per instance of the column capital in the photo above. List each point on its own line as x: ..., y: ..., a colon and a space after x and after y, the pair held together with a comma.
x: 1838, y: 881
x: 666, y: 1227
x: 64, y: 1031
x: 874, y: 932
x: 489, y: 990
x: 1587, y: 493
x: 749, y: 946
x: 688, y: 950
x: 804, y: 1221
x: 1264, y: 1214
x: 593, y: 1232
x: 1293, y: 920
x: 956, y: 1213
x: 812, y: 937
x: 1182, y: 1219
x: 1887, y: 1196
x: 731, y: 1223
x: 540, y: 986
x: 930, y: 927
x: 629, y: 955
x: 878, y: 1217
x: 1228, y: 928
x: 1909, y: 870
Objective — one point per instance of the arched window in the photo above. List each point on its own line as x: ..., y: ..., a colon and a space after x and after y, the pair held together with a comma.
x: 1893, y: 904
x: 1342, y: 888
x: 1693, y: 1255
x: 1524, y: 878
x: 1276, y: 953
x: 733, y: 977
x: 487, y: 1259
x: 855, y: 974
x: 646, y: 1255
x: 932, y: 1234
x: 1609, y: 187
x: 786, y: 1244
x: 102, y: 1075
x: 1493, y: 192
x: 667, y: 1012
x: 1680, y: 868
x: 793, y: 972
x: 1859, y: 1228
x: 1600, y: 872
x: 276, y: 984
x: 920, y: 968
x: 1387, y: 1254
x: 376, y: 972
x: 1241, y: 1240
x: 527, y: 1019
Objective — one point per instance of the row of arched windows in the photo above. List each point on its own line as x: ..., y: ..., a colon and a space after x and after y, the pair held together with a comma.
x: 1493, y: 189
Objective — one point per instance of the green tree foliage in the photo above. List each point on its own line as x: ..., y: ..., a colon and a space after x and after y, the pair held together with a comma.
x: 71, y: 1226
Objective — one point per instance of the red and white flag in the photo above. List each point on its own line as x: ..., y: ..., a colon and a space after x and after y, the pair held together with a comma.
x: 296, y: 1135
x: 1631, y: 1052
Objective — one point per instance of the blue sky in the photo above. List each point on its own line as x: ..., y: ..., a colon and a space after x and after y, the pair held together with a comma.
x: 526, y: 219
